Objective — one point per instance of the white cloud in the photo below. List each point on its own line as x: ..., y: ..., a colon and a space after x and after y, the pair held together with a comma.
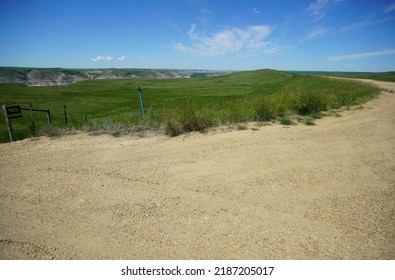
x: 362, y: 24
x: 316, y: 9
x: 204, y: 16
x: 173, y: 25
x: 288, y: 19
x: 192, y: 30
x: 362, y: 55
x: 390, y: 8
x: 316, y: 32
x: 102, y: 58
x: 232, y: 40
x: 107, y: 58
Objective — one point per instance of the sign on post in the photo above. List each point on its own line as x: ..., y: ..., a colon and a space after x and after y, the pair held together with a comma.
x: 13, y: 111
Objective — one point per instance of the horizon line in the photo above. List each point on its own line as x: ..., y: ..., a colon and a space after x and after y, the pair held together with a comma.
x: 190, y: 69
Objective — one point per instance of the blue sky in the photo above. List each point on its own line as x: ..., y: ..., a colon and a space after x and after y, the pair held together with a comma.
x: 326, y: 35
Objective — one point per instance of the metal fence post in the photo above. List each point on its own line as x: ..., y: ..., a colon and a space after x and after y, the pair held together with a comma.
x: 141, y: 101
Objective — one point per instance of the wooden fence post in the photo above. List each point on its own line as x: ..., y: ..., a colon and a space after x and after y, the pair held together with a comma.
x: 32, y: 117
x: 8, y: 123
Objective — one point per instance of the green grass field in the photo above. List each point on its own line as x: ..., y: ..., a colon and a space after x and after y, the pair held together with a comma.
x: 180, y: 105
x: 379, y: 76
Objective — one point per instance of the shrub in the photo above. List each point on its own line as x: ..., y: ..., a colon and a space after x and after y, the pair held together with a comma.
x: 111, y: 127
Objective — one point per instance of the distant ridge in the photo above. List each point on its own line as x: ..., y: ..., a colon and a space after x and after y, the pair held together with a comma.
x: 65, y: 76
x: 379, y: 76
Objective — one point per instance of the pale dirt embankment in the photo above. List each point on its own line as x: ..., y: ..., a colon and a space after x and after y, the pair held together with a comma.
x: 299, y: 192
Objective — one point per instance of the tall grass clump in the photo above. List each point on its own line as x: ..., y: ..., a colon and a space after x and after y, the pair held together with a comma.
x: 237, y: 114
x: 269, y: 108
x: 189, y: 119
x: 237, y: 111
x: 50, y: 131
x: 286, y: 120
x: 312, y: 102
x: 356, y: 93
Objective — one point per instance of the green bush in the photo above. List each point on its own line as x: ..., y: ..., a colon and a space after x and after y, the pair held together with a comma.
x: 111, y: 127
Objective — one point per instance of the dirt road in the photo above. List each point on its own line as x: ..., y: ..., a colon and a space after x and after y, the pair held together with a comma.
x: 271, y: 192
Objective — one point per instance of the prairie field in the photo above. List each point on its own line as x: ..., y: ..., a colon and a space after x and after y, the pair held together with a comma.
x: 178, y: 105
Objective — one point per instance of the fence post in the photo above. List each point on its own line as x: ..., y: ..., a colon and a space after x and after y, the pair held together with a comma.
x: 65, y: 114
x: 49, y: 116
x: 141, y: 101
x: 8, y: 123
x: 32, y: 117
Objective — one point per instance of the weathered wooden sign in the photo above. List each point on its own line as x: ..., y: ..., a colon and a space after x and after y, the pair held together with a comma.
x: 13, y: 111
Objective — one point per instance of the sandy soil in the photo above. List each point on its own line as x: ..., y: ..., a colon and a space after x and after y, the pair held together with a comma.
x: 275, y: 192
